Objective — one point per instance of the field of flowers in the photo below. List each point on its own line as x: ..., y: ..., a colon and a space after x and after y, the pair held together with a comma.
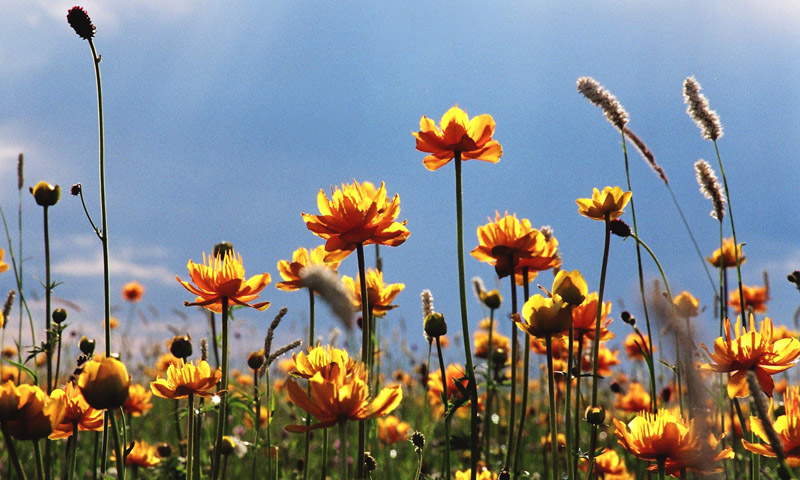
x: 551, y: 400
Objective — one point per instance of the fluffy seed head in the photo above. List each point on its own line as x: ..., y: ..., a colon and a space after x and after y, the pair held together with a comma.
x: 601, y: 97
x: 710, y: 188
x: 699, y: 111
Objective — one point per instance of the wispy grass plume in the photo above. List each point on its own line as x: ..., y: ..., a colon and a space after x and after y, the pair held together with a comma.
x: 324, y: 281
x: 710, y: 188
x: 698, y: 109
x: 598, y: 95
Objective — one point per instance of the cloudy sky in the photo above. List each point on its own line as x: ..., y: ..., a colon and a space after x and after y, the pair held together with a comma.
x: 224, y: 123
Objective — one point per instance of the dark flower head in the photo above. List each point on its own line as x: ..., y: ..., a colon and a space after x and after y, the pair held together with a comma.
x: 75, y: 190
x: 620, y: 228
x: 79, y: 20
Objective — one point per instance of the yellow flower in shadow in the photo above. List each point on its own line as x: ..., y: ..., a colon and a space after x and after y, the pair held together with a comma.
x: 637, y: 399
x: 356, y: 214
x: 185, y: 378
x: 584, y: 319
x: 104, y: 383
x: 27, y: 412
x: 221, y: 277
x: 542, y: 316
x: 141, y: 455
x: 787, y: 426
x: 457, y: 382
x: 509, y: 244
x: 754, y: 350
x: 339, y: 398
x: 392, y: 430
x: 668, y: 436
x: 379, y: 294
x: 471, y: 137
x: 77, y: 412
x: 321, y: 359
x: 291, y: 272
x: 610, y: 202
x: 726, y: 256
x: 686, y: 305
x: 483, y: 474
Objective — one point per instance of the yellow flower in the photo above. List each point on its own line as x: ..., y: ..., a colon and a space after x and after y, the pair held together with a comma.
x: 727, y: 255
x: 754, y: 350
x: 77, y: 412
x: 341, y: 397
x: 27, y: 412
x: 509, y: 244
x: 142, y: 455
x: 138, y: 402
x: 787, y: 426
x: 104, y: 383
x: 666, y: 435
x: 605, y: 360
x: 610, y: 202
x: 584, y: 319
x: 542, y: 316
x: 482, y: 343
x: 483, y: 474
x: 472, y: 138
x: 454, y: 375
x: 132, y: 291
x: 320, y: 359
x: 755, y: 298
x: 686, y: 305
x: 3, y: 265
x: 635, y: 347
x: 185, y: 378
x: 609, y: 465
x: 224, y: 277
x: 570, y: 286
x: 636, y: 400
x: 291, y: 272
x: 356, y: 214
x: 379, y: 295
x: 392, y: 430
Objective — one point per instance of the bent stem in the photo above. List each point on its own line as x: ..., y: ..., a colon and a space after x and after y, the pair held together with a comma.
x: 462, y: 289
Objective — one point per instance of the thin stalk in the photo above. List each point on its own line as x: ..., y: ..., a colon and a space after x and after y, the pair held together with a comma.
x: 490, y: 388
x: 343, y: 450
x: 12, y: 452
x: 72, y: 452
x: 177, y: 418
x: 733, y: 229
x: 552, y: 394
x: 510, y: 451
x: 577, y: 438
x: 447, y: 418
x: 37, y: 453
x: 48, y: 292
x: 213, y: 321
x: 119, y: 446
x: 222, y: 416
x: 190, y: 458
x: 311, y: 335
x: 257, y: 425
x: 661, y: 461
x: 462, y: 289
x: 366, y: 347
x: 526, y: 357
x: 324, y: 469
x: 567, y: 402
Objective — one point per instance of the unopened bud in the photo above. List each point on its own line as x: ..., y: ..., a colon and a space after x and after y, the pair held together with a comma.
x: 86, y: 345
x: 46, y: 195
x: 435, y: 325
x: 255, y: 360
x: 595, y: 415
x: 181, y: 347
x: 221, y: 249
x: 59, y: 315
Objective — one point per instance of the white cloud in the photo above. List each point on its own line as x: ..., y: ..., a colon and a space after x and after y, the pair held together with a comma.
x: 122, y: 263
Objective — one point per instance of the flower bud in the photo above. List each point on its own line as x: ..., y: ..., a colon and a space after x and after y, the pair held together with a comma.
x: 181, y: 347
x: 595, y: 415
x: 228, y: 445
x: 499, y: 356
x: 221, y: 249
x: 627, y: 318
x: 59, y: 315
x: 435, y: 325
x: 255, y: 360
x: 46, y: 195
x: 86, y: 345
x: 570, y: 286
x: 79, y: 20
x: 492, y: 299
x: 104, y: 383
x: 370, y: 463
x: 418, y: 439
x: 164, y: 450
x: 75, y: 189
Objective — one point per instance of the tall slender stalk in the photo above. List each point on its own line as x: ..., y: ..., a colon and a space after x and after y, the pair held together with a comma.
x: 733, y: 229
x: 511, y: 449
x: 12, y: 452
x: 447, y: 417
x: 366, y: 347
x: 343, y: 449
x: 222, y: 416
x: 552, y: 394
x: 462, y: 290
x: 526, y: 360
x: 311, y: 335
x: 190, y: 458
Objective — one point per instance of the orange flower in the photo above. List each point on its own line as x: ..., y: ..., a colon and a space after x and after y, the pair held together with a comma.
x: 666, y: 435
x: 104, y: 382
x: 787, y: 426
x: 686, y: 305
x: 138, y: 402
x: 224, y: 277
x: 263, y: 419
x: 610, y: 202
x: 77, y: 412
x: 636, y: 400
x: 471, y: 138
x: 634, y: 346
x: 27, y: 412
x: 291, y: 272
x: 605, y: 360
x: 755, y: 298
x: 341, y: 397
x: 727, y: 255
x: 391, y: 430
x: 356, y: 214
x: 185, y: 378
x: 132, y: 291
x: 754, y: 350
x: 609, y: 465
x: 584, y: 319
x: 511, y: 244
x: 142, y: 455
x: 320, y: 359
x: 3, y: 265
x: 482, y: 343
x: 379, y: 295
x: 455, y: 374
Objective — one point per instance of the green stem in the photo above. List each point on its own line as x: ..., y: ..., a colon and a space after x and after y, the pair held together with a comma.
x: 578, y: 367
x: 257, y: 425
x: 552, y: 393
x: 37, y: 453
x: 222, y: 416
x: 694, y: 241
x: 213, y: 321
x: 343, y: 449
x: 12, y: 451
x: 119, y: 446
x: 490, y: 388
x: 510, y: 455
x: 526, y: 357
x: 567, y: 402
x: 177, y: 418
x: 733, y: 230
x: 190, y: 459
x: 462, y: 289
x: 72, y: 452
x: 311, y: 335
x: 661, y: 468
x: 48, y: 292
x: 447, y: 417
x: 324, y: 469
x: 366, y: 347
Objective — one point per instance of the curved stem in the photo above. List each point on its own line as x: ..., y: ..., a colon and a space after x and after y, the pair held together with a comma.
x: 462, y: 290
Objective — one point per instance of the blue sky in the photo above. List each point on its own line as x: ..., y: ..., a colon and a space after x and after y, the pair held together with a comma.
x: 224, y: 123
